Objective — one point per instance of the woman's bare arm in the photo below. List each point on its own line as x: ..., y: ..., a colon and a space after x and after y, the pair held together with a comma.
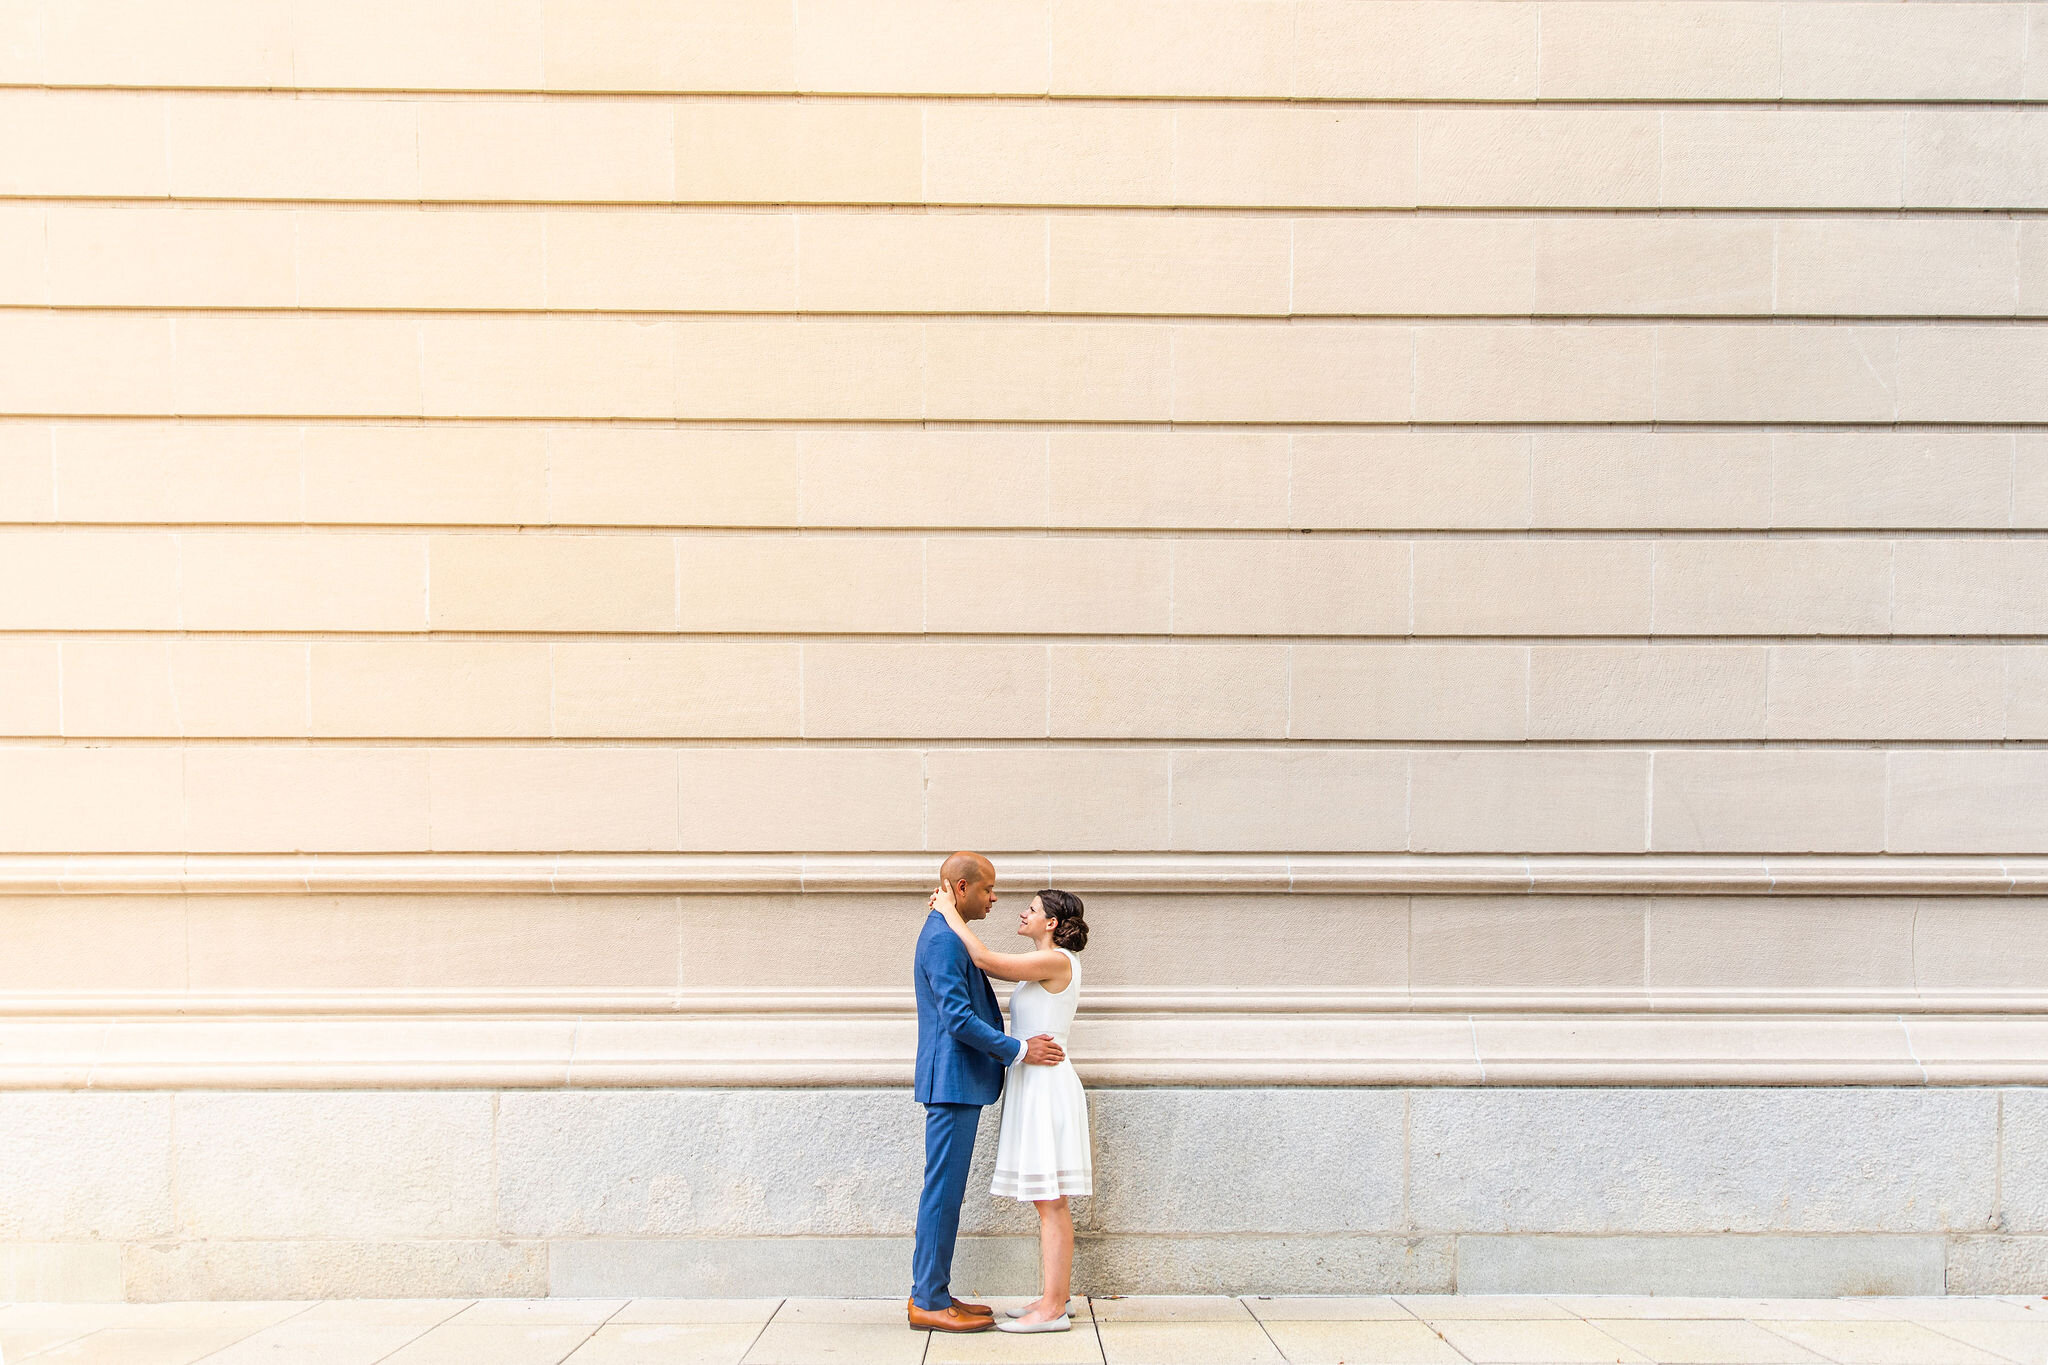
x: 1050, y: 966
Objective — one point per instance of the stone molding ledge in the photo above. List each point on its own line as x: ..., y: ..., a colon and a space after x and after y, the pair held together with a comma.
x: 1131, y: 873
x: 411, y: 1052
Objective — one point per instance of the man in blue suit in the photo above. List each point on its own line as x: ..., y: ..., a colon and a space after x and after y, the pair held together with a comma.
x: 962, y: 1052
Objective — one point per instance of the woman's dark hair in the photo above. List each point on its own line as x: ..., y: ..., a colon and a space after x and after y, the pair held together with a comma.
x: 1070, y: 931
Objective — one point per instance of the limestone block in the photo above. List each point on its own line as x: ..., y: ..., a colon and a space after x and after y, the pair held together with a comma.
x: 680, y: 261
x: 128, y: 472
x: 830, y: 152
x: 1097, y: 798
x: 1976, y: 159
x: 923, y: 47
x: 1780, y: 158
x: 434, y: 475
x: 1887, y: 692
x: 1883, y: 479
x: 1048, y: 371
x: 582, y: 150
x: 1789, y: 1267
x: 239, y: 147
x: 221, y: 258
x: 1533, y: 373
x: 654, y: 476
x: 407, y: 45
x: 1401, y: 265
x: 661, y: 690
x: 431, y: 942
x: 61, y: 1272
x: 2026, y: 692
x: 670, y: 45
x: 122, y: 687
x: 1289, y: 155
x: 1297, y: 799
x: 1197, y: 942
x: 1659, y: 51
x: 552, y: 582
x: 854, y: 800
x: 746, y: 942
x: 200, y: 1270
x: 85, y: 1166
x: 1893, y: 266
x: 1804, y: 944
x: 1528, y: 801
x: 1351, y: 1140
x: 1167, y: 691
x: 1305, y: 372
x: 212, y: 42
x: 798, y: 368
x: 308, y: 581
x: 245, y: 799
x: 1171, y: 47
x: 548, y: 367
x: 1949, y: 935
x: 1532, y: 587
x: 2023, y: 1126
x: 1039, y: 585
x: 1143, y: 263
x: 1773, y: 587
x: 920, y: 262
x: 216, y: 688
x: 409, y: 258
x: 21, y: 42
x: 28, y: 472
x: 24, y: 277
x: 88, y: 363
x: 1840, y: 1160
x: 416, y: 689
x: 1410, y: 477
x: 288, y: 365
x: 1711, y: 373
x: 89, y: 580
x: 357, y: 1165
x: 1414, y: 49
x: 1300, y: 585
x: 915, y: 476
x: 1211, y: 479
x: 1996, y: 1265
x: 1595, y: 264
x: 29, y: 687
x: 2036, y: 75
x: 1969, y: 587
x: 1408, y: 691
x: 1522, y: 944
x: 916, y: 691
x: 800, y: 583
x: 1767, y: 800
x: 1538, y: 157
x: 1252, y: 1264
x: 576, y: 799
x: 874, y: 1267
x: 1972, y: 373
x: 1646, y: 692
x: 1859, y: 51
x: 1017, y: 153
x: 79, y: 800
x: 82, y: 143
x: 1962, y: 801
x: 2033, y: 274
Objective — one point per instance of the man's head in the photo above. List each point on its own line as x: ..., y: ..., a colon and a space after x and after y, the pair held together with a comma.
x: 973, y: 882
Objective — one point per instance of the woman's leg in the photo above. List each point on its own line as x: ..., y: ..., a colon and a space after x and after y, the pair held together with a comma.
x: 1056, y: 1258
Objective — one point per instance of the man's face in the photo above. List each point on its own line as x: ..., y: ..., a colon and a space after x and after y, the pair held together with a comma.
x: 974, y: 898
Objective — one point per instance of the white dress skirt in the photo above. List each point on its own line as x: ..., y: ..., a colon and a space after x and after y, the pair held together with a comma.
x: 1043, y: 1151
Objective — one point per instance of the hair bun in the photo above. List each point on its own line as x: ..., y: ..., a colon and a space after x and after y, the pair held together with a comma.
x: 1071, y: 929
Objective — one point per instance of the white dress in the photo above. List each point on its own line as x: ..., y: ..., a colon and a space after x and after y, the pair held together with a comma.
x: 1043, y: 1150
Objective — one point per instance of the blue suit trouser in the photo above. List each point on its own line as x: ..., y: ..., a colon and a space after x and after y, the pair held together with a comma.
x: 948, y: 1151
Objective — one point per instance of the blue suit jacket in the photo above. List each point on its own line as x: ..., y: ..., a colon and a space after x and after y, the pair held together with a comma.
x: 962, y: 1050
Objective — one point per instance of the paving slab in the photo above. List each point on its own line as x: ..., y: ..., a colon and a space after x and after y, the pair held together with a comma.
x: 1317, y: 1308
x: 1187, y: 1342
x: 1381, y: 1342
x: 668, y: 1343
x: 1501, y: 1341
x: 838, y: 1343
x: 1705, y: 1341
x: 498, y: 1343
x: 1880, y: 1343
x: 756, y: 1311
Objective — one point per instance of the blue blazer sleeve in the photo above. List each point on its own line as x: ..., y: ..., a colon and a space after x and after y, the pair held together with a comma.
x: 948, y: 974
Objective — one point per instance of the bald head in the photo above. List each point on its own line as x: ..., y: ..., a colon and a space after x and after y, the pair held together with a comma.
x: 973, y: 882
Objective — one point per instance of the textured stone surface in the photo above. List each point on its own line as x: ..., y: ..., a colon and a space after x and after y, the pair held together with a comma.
x: 1836, y: 1160
x: 334, y: 1269
x: 60, y: 1272
x: 84, y: 1167
x: 2023, y: 1160
x: 1788, y: 1267
x: 1997, y: 1265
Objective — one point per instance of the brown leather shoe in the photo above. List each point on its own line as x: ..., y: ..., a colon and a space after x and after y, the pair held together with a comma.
x: 980, y: 1310
x: 949, y: 1319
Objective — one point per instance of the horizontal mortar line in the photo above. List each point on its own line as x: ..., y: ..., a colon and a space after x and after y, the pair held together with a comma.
x: 1033, y: 531
x: 1036, y: 743
x: 1094, y: 207
x: 1029, y: 316
x: 1987, y: 639
x: 531, y: 94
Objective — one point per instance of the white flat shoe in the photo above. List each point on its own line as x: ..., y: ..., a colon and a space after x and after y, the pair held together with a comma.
x: 1017, y: 1312
x: 1062, y: 1323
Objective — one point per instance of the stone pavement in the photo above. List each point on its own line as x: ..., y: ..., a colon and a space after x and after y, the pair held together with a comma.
x: 1408, y: 1330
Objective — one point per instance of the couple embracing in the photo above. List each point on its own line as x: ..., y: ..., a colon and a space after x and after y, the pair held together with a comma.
x: 963, y: 1053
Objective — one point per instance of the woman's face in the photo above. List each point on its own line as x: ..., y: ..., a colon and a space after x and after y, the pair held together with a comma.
x: 1032, y: 922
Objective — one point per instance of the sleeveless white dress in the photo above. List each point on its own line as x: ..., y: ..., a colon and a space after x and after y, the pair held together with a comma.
x: 1043, y: 1149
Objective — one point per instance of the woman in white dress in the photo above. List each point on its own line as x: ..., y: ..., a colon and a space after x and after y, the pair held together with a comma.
x: 1042, y: 1155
